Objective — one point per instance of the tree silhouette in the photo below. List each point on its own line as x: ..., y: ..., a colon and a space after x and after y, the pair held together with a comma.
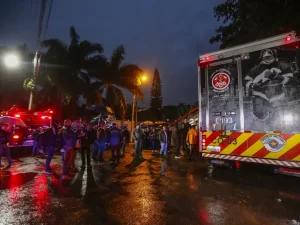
x: 250, y: 20
x: 156, y: 98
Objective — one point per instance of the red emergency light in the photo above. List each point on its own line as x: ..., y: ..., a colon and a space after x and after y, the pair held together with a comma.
x: 17, y: 115
x: 43, y: 117
x: 206, y: 58
x: 16, y: 137
x: 289, y: 38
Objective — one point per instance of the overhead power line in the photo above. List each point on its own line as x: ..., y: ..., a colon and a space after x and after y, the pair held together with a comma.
x: 48, y: 18
x: 41, y: 21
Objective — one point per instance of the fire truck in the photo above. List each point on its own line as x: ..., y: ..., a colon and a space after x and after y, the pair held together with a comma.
x: 23, y: 122
x: 249, y: 104
x: 32, y: 119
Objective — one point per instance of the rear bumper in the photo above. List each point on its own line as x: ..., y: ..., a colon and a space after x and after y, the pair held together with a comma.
x: 27, y: 143
x: 274, y: 162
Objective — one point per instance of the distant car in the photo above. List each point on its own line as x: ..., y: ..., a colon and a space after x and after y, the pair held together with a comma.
x: 21, y: 134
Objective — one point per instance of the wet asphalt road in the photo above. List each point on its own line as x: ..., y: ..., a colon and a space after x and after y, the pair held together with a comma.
x: 135, y: 192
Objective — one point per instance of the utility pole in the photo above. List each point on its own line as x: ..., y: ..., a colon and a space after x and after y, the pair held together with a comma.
x: 37, y: 57
x: 132, y: 114
x: 136, y: 112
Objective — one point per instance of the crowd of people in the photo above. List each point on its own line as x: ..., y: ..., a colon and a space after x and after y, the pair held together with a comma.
x: 159, y: 141
x: 71, y: 138
x: 91, y: 141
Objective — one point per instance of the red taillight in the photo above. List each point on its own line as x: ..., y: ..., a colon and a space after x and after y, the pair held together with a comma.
x: 206, y: 58
x: 17, y: 116
x: 203, y: 142
x: 49, y: 117
x: 289, y: 38
x: 51, y: 111
x: 16, y: 137
x: 43, y: 117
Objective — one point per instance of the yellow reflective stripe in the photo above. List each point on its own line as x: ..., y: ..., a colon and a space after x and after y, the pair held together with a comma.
x: 207, y: 134
x: 297, y: 158
x: 240, y: 140
x: 253, y: 149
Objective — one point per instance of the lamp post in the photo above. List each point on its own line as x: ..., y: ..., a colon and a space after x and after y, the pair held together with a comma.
x: 139, y: 81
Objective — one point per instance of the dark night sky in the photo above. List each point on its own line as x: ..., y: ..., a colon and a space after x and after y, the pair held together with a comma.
x: 168, y: 34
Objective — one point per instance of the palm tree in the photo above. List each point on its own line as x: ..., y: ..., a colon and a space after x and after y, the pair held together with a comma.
x: 64, y: 65
x: 113, y: 77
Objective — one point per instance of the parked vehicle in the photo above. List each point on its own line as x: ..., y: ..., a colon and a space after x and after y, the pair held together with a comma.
x: 249, y: 110
x: 21, y: 133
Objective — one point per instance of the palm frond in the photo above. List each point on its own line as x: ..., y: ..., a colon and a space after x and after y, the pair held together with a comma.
x: 87, y: 48
x: 55, y: 44
x: 57, y: 51
x: 117, y: 57
x: 115, y: 96
x: 129, y: 75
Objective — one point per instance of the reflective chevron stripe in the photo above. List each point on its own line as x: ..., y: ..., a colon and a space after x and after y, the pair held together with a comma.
x: 253, y: 160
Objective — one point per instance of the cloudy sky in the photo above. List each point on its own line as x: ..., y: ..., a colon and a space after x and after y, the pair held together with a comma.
x: 167, y: 34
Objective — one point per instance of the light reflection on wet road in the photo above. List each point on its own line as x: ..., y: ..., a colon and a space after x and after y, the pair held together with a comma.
x: 136, y: 192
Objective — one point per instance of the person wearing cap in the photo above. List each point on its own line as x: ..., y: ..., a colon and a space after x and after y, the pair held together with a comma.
x: 138, y: 135
x: 115, y: 143
x: 4, y: 140
x: 70, y: 138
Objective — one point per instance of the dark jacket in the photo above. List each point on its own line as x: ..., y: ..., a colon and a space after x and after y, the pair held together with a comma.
x: 92, y: 135
x: 153, y: 135
x: 35, y: 135
x: 178, y: 135
x: 186, y: 129
x: 137, y: 134
x: 125, y: 135
x: 101, y: 136
x: 47, y: 138
x: 87, y: 137
x: 164, y: 136
x: 115, y: 136
x: 4, y: 136
x: 70, y: 137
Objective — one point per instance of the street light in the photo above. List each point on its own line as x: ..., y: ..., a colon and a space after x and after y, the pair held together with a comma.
x: 144, y: 78
x: 11, y: 61
x: 140, y: 79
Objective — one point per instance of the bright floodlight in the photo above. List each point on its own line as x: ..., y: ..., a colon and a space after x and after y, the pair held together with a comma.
x: 12, y: 61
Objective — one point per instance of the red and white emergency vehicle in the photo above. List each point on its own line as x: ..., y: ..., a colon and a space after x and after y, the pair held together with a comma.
x: 249, y: 107
x: 22, y: 123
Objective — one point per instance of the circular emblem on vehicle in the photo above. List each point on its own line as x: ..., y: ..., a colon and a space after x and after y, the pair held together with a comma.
x: 220, y: 81
x: 273, y: 142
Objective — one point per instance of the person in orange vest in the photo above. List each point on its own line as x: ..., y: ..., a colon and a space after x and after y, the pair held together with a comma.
x: 192, y: 139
